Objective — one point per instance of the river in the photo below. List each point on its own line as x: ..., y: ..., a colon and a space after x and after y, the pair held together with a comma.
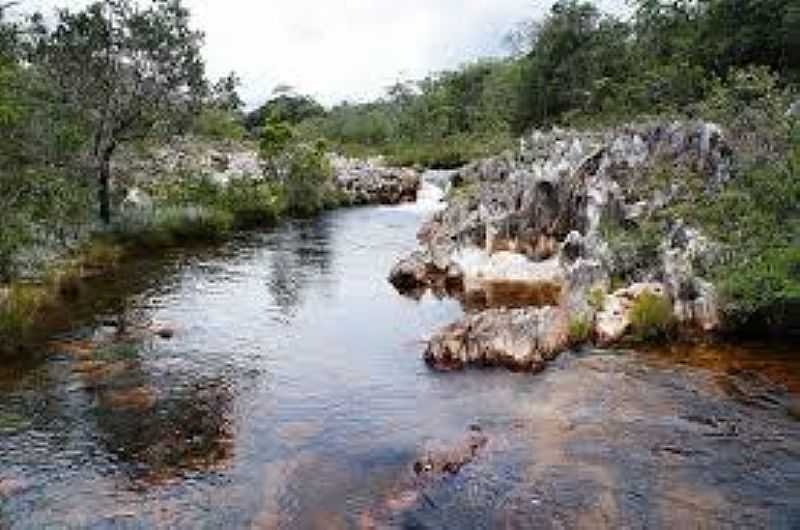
x: 289, y: 392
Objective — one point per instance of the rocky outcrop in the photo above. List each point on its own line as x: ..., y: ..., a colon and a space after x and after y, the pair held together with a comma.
x: 372, y: 182
x: 361, y: 181
x: 539, y: 215
x: 524, y: 339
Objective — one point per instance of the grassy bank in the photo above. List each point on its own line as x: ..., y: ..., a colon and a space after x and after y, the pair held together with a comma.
x: 183, y: 214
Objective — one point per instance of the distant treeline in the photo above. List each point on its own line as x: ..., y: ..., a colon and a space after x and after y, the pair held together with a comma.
x: 575, y: 65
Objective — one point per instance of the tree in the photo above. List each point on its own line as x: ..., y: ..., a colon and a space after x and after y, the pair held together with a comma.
x: 288, y: 106
x: 130, y: 72
x: 276, y: 136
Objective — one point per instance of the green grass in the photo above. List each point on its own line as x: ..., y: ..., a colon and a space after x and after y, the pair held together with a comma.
x: 20, y: 311
x: 579, y: 330
x: 652, y: 317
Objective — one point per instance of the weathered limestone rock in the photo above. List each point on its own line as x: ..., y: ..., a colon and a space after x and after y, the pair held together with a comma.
x: 534, y: 217
x: 522, y: 339
x: 371, y: 182
x: 411, y: 272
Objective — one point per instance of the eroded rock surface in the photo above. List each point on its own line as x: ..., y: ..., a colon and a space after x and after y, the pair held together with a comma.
x: 537, y: 215
x: 517, y: 338
x: 372, y: 182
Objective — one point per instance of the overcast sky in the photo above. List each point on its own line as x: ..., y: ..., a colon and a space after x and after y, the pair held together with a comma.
x: 347, y: 49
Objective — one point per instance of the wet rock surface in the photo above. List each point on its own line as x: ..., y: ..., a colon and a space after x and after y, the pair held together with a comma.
x: 617, y: 441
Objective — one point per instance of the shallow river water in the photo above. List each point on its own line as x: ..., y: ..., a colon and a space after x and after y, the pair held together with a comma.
x: 277, y: 382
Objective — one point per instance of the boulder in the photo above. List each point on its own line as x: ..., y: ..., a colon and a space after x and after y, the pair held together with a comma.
x: 410, y: 273
x: 520, y: 339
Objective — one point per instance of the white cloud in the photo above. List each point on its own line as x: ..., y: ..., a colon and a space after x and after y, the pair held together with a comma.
x: 348, y: 49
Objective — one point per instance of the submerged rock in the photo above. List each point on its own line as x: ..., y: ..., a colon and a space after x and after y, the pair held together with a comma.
x: 449, y: 459
x: 521, y: 339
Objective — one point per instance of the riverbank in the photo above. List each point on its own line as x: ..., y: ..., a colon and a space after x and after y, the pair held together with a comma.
x: 206, y: 200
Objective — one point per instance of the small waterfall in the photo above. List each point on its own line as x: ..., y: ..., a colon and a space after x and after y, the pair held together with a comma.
x: 433, y: 187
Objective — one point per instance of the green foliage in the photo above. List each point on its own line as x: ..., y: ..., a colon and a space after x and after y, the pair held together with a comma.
x: 634, y: 247
x: 276, y: 137
x: 579, y: 330
x: 765, y: 286
x: 288, y: 107
x: 597, y: 299
x: 652, y: 317
x: 128, y: 71
x: 20, y: 308
x: 174, y: 225
x: 308, y: 175
x: 219, y: 124
x: 253, y: 204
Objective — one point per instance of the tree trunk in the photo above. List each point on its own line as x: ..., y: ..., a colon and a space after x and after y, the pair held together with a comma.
x: 104, y: 185
x: 103, y: 192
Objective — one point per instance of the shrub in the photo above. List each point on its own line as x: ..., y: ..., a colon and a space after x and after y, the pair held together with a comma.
x: 308, y: 175
x: 194, y: 223
x: 219, y: 124
x: 579, y: 330
x: 169, y: 225
x: 100, y: 254
x: 597, y: 299
x: 14, y: 236
x: 652, y: 317
x: 766, y: 287
x: 252, y: 203
x: 19, y: 312
x: 634, y: 249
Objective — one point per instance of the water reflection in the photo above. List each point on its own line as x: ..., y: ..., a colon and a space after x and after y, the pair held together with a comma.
x: 302, y: 249
x: 291, y: 393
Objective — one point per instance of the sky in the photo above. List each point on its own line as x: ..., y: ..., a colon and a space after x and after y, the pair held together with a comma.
x: 336, y: 50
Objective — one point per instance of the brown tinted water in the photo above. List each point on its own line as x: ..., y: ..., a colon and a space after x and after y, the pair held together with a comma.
x: 289, y: 392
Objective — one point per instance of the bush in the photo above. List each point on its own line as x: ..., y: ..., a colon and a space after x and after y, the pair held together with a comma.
x: 19, y: 312
x: 765, y: 287
x: 634, y: 249
x: 308, y: 175
x: 219, y: 124
x: 171, y: 225
x: 652, y: 317
x: 579, y: 330
x: 252, y: 204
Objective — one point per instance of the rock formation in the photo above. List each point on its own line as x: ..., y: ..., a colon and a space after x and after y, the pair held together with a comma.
x: 361, y: 181
x: 372, y: 182
x: 539, y: 216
